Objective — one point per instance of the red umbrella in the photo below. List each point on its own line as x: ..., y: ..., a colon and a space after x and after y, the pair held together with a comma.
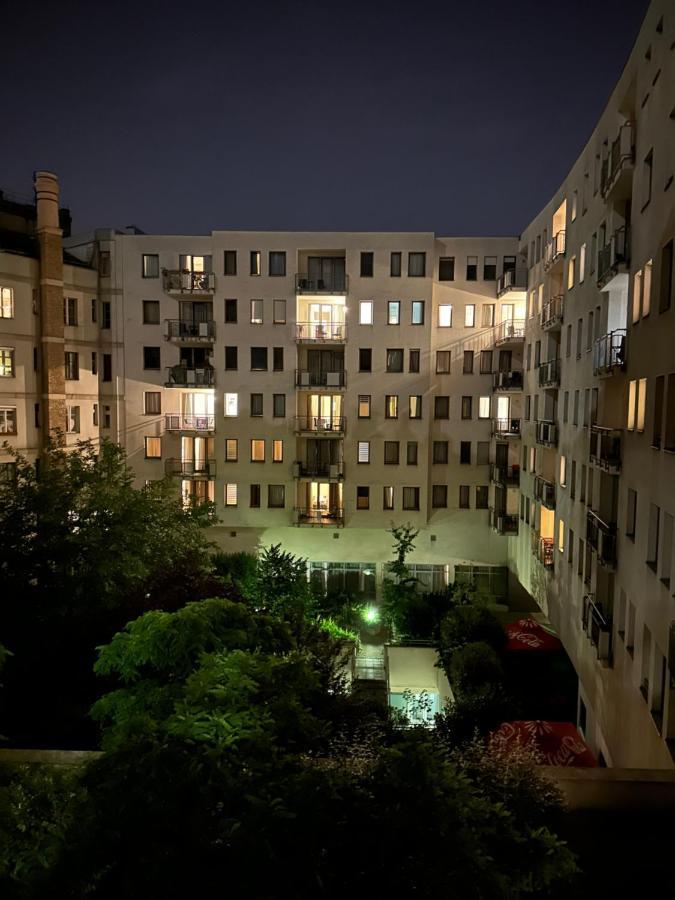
x: 558, y: 743
x: 528, y: 634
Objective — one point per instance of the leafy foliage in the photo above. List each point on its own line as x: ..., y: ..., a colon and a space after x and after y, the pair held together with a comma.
x: 474, y: 667
x: 465, y: 624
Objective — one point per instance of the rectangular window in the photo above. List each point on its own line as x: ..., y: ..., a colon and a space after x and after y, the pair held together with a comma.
x: 653, y: 536
x: 106, y: 315
x: 279, y: 312
x: 465, y: 453
x: 72, y: 419
x: 464, y: 496
x: 70, y: 310
x: 489, y: 268
x: 258, y: 359
x: 6, y: 303
x: 441, y: 407
x: 570, y: 272
x: 255, y: 259
x: 411, y: 498
x: 411, y: 453
x: 632, y: 399
x: 472, y: 268
x: 94, y: 415
x: 446, y: 268
x: 391, y: 453
x: 417, y: 265
x: 481, y: 496
x: 484, y: 407
x: 482, y: 453
x: 666, y: 285
x: 413, y: 361
x: 94, y: 309
x: 659, y: 391
x: 388, y: 497
x: 362, y: 497
x: 395, y: 265
x: 256, y: 405
x: 153, y: 448
x: 231, y: 450
x: 442, y: 362
x: 647, y: 175
x: 107, y: 367
x: 151, y: 312
x: 106, y: 417
x: 582, y: 263
x: 230, y: 312
x: 367, y: 264
x: 277, y: 263
x: 641, y: 405
x: 230, y: 494
x: 488, y: 312
x: 230, y: 262
x: 394, y: 312
x: 151, y: 358
x: 152, y: 403
x: 561, y: 536
x: 363, y: 452
x: 278, y: 406
x: 256, y: 312
x: 563, y: 471
x: 395, y: 360
x: 631, y: 510
x: 7, y: 420
x: 231, y: 405
x: 257, y: 450
x: 231, y: 359
x: 417, y: 317
x: 150, y: 266
x: 469, y: 315
x: 277, y: 450
x: 391, y: 406
x: 277, y: 359
x: 365, y: 359
x: 439, y: 453
x: 486, y: 362
x: 467, y: 407
x: 445, y: 315
x: 366, y: 312
x: 637, y: 295
x: 72, y: 362
x: 439, y: 496
x: 415, y: 406
x: 467, y: 368
x: 669, y: 441
x: 254, y: 497
x: 364, y: 406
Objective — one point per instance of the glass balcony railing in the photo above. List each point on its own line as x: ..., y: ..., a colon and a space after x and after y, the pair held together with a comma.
x: 605, y: 448
x: 512, y: 280
x: 331, y: 425
x: 176, y: 281
x: 309, y: 379
x: 184, y: 332
x: 609, y: 352
x: 182, y: 376
x: 549, y: 373
x: 321, y: 332
x: 552, y: 313
x: 508, y: 381
x: 182, y: 422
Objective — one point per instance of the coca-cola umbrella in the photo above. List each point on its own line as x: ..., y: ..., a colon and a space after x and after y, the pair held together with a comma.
x: 557, y: 743
x: 528, y: 634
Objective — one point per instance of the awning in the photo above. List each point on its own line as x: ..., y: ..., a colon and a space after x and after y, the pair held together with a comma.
x: 528, y: 634
x: 558, y: 743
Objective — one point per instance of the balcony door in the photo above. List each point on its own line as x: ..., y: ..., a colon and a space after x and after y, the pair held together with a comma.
x: 321, y: 455
x: 327, y: 272
x: 503, y: 408
x: 198, y: 410
x: 195, y: 453
x: 320, y: 362
x: 324, y: 409
x: 193, y: 311
x: 189, y: 263
x: 324, y: 498
x: 507, y: 312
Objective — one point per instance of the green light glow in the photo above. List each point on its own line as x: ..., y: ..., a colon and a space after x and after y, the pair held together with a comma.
x: 371, y: 614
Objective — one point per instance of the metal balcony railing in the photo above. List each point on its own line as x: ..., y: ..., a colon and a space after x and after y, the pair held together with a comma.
x: 511, y: 331
x: 506, y: 475
x: 191, y: 468
x: 177, y: 282
x: 546, y: 433
x: 601, y: 536
x: 331, y: 515
x: 182, y: 331
x: 181, y: 422
x: 545, y: 552
x: 182, y: 376
x: 609, y: 352
x: 555, y: 249
x: 503, y: 523
x: 605, y: 448
x: 332, y: 471
x: 598, y: 626
x: 544, y: 492
x: 307, y: 379
x: 552, y: 313
x: 321, y: 332
x: 332, y: 425
x: 512, y: 280
x: 508, y: 381
x: 614, y: 254
x: 506, y: 427
x: 338, y: 283
x: 621, y: 155
x: 549, y: 373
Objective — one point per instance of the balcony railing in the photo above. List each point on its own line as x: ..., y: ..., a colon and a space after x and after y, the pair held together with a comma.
x: 545, y: 552
x: 338, y: 283
x: 307, y: 379
x: 614, y: 255
x: 549, y: 373
x: 331, y: 515
x: 182, y: 332
x: 180, y: 422
x: 620, y: 157
x: 503, y: 523
x: 511, y: 331
x: 182, y: 376
x: 330, y: 471
x: 598, y: 627
x: 506, y: 475
x: 508, y: 381
x: 191, y: 468
x: 552, y: 313
x: 546, y: 433
x: 178, y: 282
x: 512, y: 280
x: 321, y: 332
x: 506, y: 427
x: 332, y: 425
x: 601, y: 536
x: 544, y: 492
x: 605, y: 448
x: 555, y: 249
x: 609, y: 352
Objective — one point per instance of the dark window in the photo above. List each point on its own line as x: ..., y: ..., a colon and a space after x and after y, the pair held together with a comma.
x: 481, y: 496
x: 489, y: 268
x: 485, y: 362
x: 230, y: 262
x: 441, y: 407
x: 72, y: 366
x: 666, y: 287
x: 465, y: 453
x: 151, y: 312
x: 94, y: 363
x: 151, y: 358
x: 258, y: 359
x: 394, y: 360
x: 391, y: 453
x: 464, y: 497
x: 442, y: 362
x: 150, y: 265
x: 366, y: 265
x: 94, y: 309
x: 411, y: 498
x: 411, y: 453
x: 467, y: 407
x: 279, y: 406
x: 395, y: 265
x: 153, y: 403
x: 362, y: 497
x: 231, y: 311
x: 70, y: 310
x: 440, y: 453
x: 276, y: 496
x: 414, y: 361
x: 439, y: 496
x: 365, y: 359
x: 277, y: 262
x: 254, y: 501
x: 107, y: 367
x: 468, y: 362
x: 446, y: 268
x: 256, y: 404
x: 255, y: 260
x: 105, y: 314
x: 231, y: 358
x: 471, y: 268
x: 417, y: 265
x: 277, y: 359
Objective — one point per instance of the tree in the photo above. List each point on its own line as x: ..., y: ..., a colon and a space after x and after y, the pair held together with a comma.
x: 465, y: 624
x: 474, y: 667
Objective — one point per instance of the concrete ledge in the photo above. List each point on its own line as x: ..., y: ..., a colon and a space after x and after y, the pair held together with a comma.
x: 598, y: 789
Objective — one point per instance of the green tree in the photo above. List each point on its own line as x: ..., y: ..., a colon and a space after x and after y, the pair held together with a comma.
x: 465, y: 624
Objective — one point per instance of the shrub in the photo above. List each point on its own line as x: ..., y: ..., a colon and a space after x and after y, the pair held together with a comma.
x: 474, y: 715
x: 469, y: 623
x: 475, y: 667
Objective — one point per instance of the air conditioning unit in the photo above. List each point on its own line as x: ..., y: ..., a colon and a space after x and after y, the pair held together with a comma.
x: 304, y: 379
x: 203, y: 329
x: 333, y: 379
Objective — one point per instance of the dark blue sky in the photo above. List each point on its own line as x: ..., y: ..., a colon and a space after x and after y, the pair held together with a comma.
x: 460, y: 118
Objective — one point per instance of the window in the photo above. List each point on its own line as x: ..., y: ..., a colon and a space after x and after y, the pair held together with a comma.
x: 395, y: 360
x: 6, y: 303
x: 469, y: 315
x: 563, y: 471
x: 653, y: 536
x: 70, y: 310
x: 465, y: 453
x: 637, y: 291
x: 72, y: 361
x: 394, y: 312
x: 471, y: 268
x: 391, y: 453
x: 366, y: 312
x: 446, y: 268
x: 439, y: 453
x: 647, y: 288
x: 464, y: 496
x: 363, y: 452
x: 570, y: 272
x: 414, y: 361
x: 647, y: 173
x: 439, y: 496
x: 417, y: 312
x: 152, y: 403
x: 482, y: 453
x: 257, y: 450
x: 256, y: 312
x: 106, y: 315
x: 7, y: 420
x: 669, y: 441
x: 94, y: 309
x: 481, y: 496
x: 231, y: 450
x: 153, y: 448
x: 231, y: 405
x: 561, y: 536
x: 395, y: 265
x: 582, y: 484
x: 366, y: 265
x: 277, y: 359
x: 445, y: 315
x: 72, y: 419
x: 488, y: 311
x: 528, y: 403
x: 417, y: 264
x: 151, y: 358
x: 256, y: 405
x: 657, y: 428
x: 230, y: 494
x: 230, y: 262
x: 483, y: 407
x: 106, y: 417
x: 231, y: 359
x: 362, y: 497
x: 486, y: 362
x: 573, y: 480
x: 107, y: 367
x: 641, y: 404
x: 467, y: 368
x: 388, y: 497
x: 365, y: 359
x: 277, y: 451
x: 364, y: 406
x: 150, y: 265
x: 490, y: 268
x: 151, y: 312
x: 391, y: 406
x: 258, y: 359
x: 277, y: 263
x: 631, y: 509
x: 255, y: 259
x: 666, y: 286
x: 467, y: 407
x: 415, y: 406
x: 442, y: 407
x: 580, y: 336
x: 442, y: 362
x: 254, y: 497
x: 279, y: 312
x: 411, y: 498
x: 278, y: 406
x: 582, y: 263
x: 231, y: 312
x: 94, y: 415
x: 589, y: 331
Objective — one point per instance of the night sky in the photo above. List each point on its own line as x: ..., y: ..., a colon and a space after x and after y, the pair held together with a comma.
x: 459, y: 118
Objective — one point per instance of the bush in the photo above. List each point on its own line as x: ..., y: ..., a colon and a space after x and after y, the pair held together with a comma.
x: 474, y: 667
x: 469, y: 623
x: 474, y: 715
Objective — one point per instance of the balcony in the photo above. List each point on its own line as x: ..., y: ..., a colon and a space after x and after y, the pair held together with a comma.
x: 508, y: 476
x: 554, y: 252
x: 609, y: 352
x: 508, y: 381
x: 598, y: 626
x: 512, y: 331
x: 320, y: 332
x: 325, y: 471
x: 512, y: 280
x: 546, y: 433
x: 616, y: 173
x: 191, y: 468
x: 330, y: 516
x: 176, y: 281
x: 179, y: 331
x: 605, y: 449
x: 544, y: 551
x: 338, y: 283
x: 330, y: 380
x: 506, y: 428
x: 614, y: 257
x: 503, y: 523
x: 601, y: 536
x: 320, y: 426
x: 182, y: 376
x: 549, y: 373
x: 180, y: 422
x: 552, y: 313
x: 544, y: 492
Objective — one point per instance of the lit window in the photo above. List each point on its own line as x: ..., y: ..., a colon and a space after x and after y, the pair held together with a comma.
x: 391, y: 406
x: 277, y: 451
x: 561, y: 536
x: 6, y: 303
x: 257, y: 450
x: 637, y: 295
x: 153, y: 448
x: 388, y: 497
x: 72, y: 419
x: 366, y: 312
x: 364, y: 406
x: 231, y: 404
x: 150, y: 265
x: 231, y: 450
x: 364, y: 452
x: 417, y: 312
x: 230, y: 492
x: 445, y: 315
x: 483, y: 407
x: 256, y: 312
x: 469, y: 315
x: 394, y: 312
x: 256, y: 262
x: 570, y: 272
x: 563, y: 471
x: 647, y: 288
x: 582, y: 263
x: 415, y: 406
x: 8, y: 420
x: 641, y: 403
